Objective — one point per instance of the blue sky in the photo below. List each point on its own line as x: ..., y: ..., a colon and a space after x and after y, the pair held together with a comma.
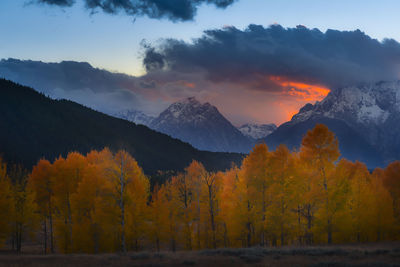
x: 113, y: 41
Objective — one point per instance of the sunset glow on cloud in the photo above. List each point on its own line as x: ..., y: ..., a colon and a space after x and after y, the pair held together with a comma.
x: 307, y: 92
x: 266, y: 74
x: 269, y: 99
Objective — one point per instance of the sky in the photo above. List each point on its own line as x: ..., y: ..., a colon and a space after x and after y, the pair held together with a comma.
x: 132, y: 43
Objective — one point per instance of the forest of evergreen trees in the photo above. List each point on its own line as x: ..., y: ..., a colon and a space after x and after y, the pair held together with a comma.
x: 36, y: 126
x: 103, y: 202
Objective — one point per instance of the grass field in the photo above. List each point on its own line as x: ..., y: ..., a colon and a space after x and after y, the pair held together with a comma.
x: 382, y: 254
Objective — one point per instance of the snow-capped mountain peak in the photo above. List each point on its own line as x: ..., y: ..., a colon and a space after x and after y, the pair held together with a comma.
x: 366, y: 104
x: 369, y: 113
x: 257, y: 131
x: 135, y: 116
x: 202, y: 125
x: 189, y: 110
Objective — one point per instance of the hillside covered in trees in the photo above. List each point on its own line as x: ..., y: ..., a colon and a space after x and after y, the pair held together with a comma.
x: 102, y: 202
x: 34, y: 126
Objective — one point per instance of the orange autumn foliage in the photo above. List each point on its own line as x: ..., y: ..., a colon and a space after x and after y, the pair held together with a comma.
x: 101, y: 202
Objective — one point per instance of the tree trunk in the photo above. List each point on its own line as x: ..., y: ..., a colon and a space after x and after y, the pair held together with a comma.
x: 188, y: 233
x: 226, y: 241
x: 19, y: 237
x: 198, y: 225
x: 173, y: 245
x: 309, y: 225
x: 329, y: 222
x: 51, y: 233
x: 96, y: 239
x: 299, y: 224
x: 264, y: 209
x: 248, y: 225
x: 329, y: 231
x: 248, y: 234
x: 187, y: 226
x: 122, y: 207
x: 69, y: 222
x: 282, y: 224
x: 13, y: 241
x: 45, y: 236
x: 210, y: 199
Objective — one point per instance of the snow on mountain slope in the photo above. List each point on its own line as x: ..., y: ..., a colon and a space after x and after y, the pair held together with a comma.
x: 135, y: 116
x: 367, y: 104
x: 201, y: 125
x: 257, y: 131
x: 372, y: 111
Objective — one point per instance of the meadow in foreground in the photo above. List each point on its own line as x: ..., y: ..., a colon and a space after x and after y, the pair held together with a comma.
x: 372, y: 254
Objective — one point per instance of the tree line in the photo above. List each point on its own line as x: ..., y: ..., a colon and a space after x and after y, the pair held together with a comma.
x: 102, y: 202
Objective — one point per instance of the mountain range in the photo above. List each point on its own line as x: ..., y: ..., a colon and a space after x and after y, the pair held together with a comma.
x: 34, y: 126
x: 201, y: 125
x: 364, y: 117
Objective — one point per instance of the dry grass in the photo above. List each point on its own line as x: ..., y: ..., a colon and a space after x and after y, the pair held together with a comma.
x: 383, y: 254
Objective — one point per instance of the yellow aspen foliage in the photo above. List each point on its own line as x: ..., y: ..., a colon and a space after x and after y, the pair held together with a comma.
x: 307, y: 199
x: 383, y: 223
x: 391, y: 180
x: 358, y: 202
x: 101, y: 202
x: 129, y: 188
x: 138, y: 190
x: 5, y: 203
x: 232, y: 221
x: 171, y: 223
x: 320, y: 149
x: 159, y: 216
x: 255, y: 179
x: 68, y: 173
x: 339, y: 184
x: 86, y: 206
x: 42, y: 183
x: 194, y: 173
x: 280, y: 220
x: 211, y: 186
x: 24, y: 218
x: 184, y: 193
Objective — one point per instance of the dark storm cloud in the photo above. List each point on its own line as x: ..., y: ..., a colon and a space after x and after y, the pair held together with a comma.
x: 153, y: 60
x: 175, y: 10
x: 57, y: 2
x: 148, y: 84
x: 334, y: 58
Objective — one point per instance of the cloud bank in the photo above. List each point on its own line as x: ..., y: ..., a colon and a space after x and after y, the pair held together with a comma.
x: 175, y: 10
x: 259, y: 74
x: 79, y: 81
x: 332, y: 58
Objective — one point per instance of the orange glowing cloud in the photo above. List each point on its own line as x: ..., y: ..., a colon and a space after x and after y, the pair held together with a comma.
x: 190, y: 85
x: 303, y: 91
x: 299, y: 94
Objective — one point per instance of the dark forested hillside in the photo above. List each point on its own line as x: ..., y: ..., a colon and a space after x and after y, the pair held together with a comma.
x: 33, y: 126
